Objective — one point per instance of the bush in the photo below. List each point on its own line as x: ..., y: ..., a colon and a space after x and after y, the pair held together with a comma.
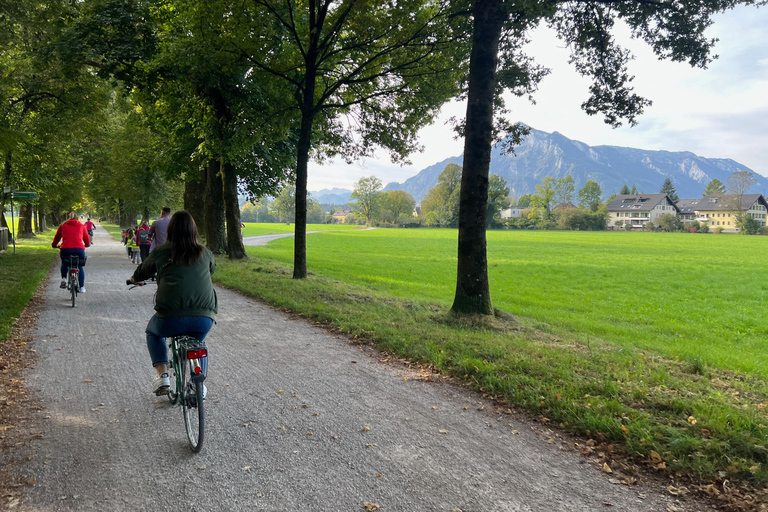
x: 669, y: 223
x: 627, y: 227
x: 718, y: 230
x: 584, y: 220
x: 704, y: 228
x: 747, y: 224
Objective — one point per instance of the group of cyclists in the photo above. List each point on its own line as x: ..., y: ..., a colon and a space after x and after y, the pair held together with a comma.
x: 185, y: 302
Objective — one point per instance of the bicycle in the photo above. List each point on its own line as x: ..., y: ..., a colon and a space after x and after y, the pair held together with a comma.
x: 188, y: 359
x: 73, y: 279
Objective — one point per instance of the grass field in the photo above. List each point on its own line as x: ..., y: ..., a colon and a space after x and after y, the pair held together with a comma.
x: 653, y: 342
x: 691, y: 296
x: 254, y: 229
x: 20, y: 275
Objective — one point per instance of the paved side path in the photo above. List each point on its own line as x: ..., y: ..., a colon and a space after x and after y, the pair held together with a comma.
x: 297, y: 420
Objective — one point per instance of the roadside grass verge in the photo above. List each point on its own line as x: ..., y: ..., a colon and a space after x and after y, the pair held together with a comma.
x: 678, y: 414
x: 20, y: 275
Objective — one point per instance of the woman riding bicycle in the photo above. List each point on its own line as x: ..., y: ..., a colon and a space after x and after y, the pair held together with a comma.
x: 186, y: 302
x: 74, y: 239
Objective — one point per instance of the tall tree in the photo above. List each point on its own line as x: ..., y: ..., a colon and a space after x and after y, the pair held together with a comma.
x: 366, y: 195
x: 498, y: 199
x: 625, y: 191
x: 544, y: 198
x: 564, y: 189
x: 284, y: 205
x: 669, y: 188
x: 675, y: 30
x: 440, y: 207
x: 360, y: 74
x: 714, y: 188
x: 590, y: 196
x: 397, y: 203
x: 738, y: 185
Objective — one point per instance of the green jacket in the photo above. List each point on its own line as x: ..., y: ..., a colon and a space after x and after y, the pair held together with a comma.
x: 181, y: 291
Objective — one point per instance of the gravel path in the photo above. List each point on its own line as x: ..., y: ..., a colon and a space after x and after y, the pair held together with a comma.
x: 297, y: 419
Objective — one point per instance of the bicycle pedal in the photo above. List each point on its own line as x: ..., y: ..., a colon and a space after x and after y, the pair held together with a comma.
x: 162, y: 391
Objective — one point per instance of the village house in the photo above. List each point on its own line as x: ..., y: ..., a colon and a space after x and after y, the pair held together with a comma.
x: 513, y: 212
x: 722, y: 211
x: 637, y: 210
x: 340, y: 216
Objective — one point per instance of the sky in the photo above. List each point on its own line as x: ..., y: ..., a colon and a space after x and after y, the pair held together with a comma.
x: 718, y: 112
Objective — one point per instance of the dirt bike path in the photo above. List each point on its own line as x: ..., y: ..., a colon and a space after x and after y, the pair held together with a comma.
x: 297, y: 419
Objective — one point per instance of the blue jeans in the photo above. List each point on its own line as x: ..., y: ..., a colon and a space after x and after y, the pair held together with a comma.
x: 64, y: 254
x: 159, y: 328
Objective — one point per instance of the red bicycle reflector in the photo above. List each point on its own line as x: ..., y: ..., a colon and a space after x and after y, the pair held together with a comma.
x: 197, y: 353
x: 198, y: 369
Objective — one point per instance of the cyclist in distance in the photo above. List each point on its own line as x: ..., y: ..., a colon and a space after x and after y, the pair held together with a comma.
x: 74, y: 239
x: 89, y: 225
x: 186, y: 302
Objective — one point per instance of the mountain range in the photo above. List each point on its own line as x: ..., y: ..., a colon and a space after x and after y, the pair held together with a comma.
x: 553, y: 154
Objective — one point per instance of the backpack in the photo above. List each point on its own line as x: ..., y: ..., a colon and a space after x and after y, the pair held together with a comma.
x: 143, y: 237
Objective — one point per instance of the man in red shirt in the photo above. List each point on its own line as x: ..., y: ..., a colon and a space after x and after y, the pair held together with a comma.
x: 74, y: 239
x: 89, y: 227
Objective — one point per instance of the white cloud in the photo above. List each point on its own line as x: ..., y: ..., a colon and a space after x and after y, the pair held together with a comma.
x: 720, y: 112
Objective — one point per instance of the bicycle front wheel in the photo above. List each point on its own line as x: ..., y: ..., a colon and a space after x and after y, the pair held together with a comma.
x: 192, y: 406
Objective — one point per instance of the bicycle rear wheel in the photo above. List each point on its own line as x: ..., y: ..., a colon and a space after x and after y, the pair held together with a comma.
x: 73, y: 290
x: 174, y: 393
x: 192, y: 406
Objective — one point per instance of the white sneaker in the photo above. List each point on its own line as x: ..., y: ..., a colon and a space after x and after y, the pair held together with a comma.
x: 63, y: 283
x: 82, y: 290
x: 162, y: 384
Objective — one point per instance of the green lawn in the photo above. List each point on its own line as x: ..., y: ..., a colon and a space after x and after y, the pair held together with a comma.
x: 691, y: 296
x: 20, y: 275
x: 263, y: 228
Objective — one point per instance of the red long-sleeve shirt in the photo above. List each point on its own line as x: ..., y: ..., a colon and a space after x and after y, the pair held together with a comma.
x: 72, y: 235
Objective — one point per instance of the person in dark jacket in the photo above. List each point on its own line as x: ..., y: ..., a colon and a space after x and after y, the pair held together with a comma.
x: 74, y: 239
x: 186, y: 302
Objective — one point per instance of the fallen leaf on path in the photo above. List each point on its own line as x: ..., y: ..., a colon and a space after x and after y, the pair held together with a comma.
x: 365, y: 429
x: 443, y: 431
x: 371, y: 506
x: 88, y: 380
x: 607, y: 468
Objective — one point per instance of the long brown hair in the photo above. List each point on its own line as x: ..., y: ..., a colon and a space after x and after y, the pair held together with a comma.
x: 182, y: 235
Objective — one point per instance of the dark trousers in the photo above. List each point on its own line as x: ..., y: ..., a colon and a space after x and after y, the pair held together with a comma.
x: 65, y: 254
x: 144, y: 251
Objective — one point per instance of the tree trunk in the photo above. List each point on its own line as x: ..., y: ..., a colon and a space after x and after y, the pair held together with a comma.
x: 300, y: 219
x: 26, y: 217
x: 194, y: 202
x: 215, y: 234
x: 302, y: 158
x: 36, y: 219
x: 6, y: 183
x: 41, y: 224
x: 235, y: 246
x: 3, y: 222
x: 473, y: 295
